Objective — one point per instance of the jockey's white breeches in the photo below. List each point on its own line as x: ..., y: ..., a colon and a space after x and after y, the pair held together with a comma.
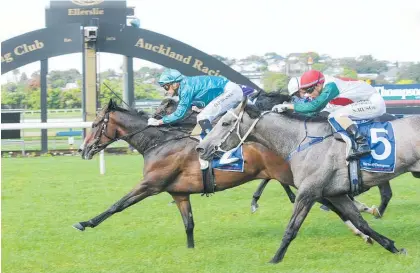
x: 231, y: 97
x: 371, y: 108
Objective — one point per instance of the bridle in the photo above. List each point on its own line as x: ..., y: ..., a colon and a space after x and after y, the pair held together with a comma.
x: 97, y: 146
x: 236, y: 126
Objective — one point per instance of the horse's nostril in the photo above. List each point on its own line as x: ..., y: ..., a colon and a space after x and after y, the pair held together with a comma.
x: 200, y: 150
x: 79, y: 151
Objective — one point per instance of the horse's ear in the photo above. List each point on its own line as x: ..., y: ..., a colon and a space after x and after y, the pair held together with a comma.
x: 110, y: 104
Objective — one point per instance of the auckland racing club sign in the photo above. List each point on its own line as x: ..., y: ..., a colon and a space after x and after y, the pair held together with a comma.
x: 163, y: 50
x: 40, y: 45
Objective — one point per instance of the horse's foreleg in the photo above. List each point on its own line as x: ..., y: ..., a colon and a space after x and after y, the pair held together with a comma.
x: 347, y: 208
x: 304, y: 202
x: 139, y: 193
x: 184, y: 206
x: 386, y: 195
x: 257, y: 194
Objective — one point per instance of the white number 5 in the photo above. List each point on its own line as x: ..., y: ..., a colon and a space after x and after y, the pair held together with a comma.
x: 375, y: 139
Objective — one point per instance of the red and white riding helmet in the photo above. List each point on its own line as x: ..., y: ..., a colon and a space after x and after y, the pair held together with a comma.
x: 311, y: 78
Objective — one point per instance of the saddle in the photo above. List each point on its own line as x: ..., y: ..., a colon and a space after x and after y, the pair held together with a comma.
x: 384, y: 118
x: 354, y: 170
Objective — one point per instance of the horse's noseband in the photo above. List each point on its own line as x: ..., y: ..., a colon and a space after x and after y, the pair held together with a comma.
x: 96, y: 145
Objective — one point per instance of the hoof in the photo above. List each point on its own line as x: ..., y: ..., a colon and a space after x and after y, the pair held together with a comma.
x: 274, y: 261
x: 79, y: 227
x: 403, y: 251
x: 368, y: 240
x: 376, y: 213
x: 254, y: 208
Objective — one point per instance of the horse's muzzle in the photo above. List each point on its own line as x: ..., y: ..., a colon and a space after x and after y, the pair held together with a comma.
x: 206, y: 153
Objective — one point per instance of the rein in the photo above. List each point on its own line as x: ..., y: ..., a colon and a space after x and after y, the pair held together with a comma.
x: 237, y: 127
x: 314, y: 139
x: 103, y: 132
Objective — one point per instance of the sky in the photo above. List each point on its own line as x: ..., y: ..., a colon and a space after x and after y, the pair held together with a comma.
x: 387, y: 29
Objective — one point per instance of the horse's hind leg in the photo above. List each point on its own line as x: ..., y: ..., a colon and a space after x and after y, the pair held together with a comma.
x: 257, y: 194
x: 140, y: 192
x: 347, y: 222
x: 184, y: 206
x: 386, y: 195
x: 363, y: 208
x: 348, y: 209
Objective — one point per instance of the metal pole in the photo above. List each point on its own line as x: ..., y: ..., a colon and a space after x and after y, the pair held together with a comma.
x: 90, y: 81
x: 102, y: 162
x: 128, y: 93
x: 44, y: 132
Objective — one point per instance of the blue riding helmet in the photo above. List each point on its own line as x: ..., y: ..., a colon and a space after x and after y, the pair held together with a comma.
x: 170, y: 76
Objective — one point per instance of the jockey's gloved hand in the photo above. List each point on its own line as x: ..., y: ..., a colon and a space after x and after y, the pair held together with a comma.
x: 153, y: 122
x: 280, y: 108
x: 196, y: 109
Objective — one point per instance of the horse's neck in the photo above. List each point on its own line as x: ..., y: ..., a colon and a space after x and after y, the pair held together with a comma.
x: 145, y: 138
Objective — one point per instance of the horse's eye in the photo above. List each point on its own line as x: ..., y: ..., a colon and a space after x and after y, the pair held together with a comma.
x: 224, y: 124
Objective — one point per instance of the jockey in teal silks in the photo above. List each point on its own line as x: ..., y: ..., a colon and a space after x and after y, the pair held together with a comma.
x: 216, y: 94
x: 344, y: 100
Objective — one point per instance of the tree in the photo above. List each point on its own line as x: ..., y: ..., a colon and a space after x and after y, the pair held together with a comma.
x: 54, y: 98
x: 366, y: 64
x: 23, y: 78
x: 273, y: 81
x: 71, y: 98
x: 146, y: 91
x: 110, y: 73
x: 105, y: 94
x: 12, y: 99
x: 319, y: 66
x: 349, y: 73
x: 405, y: 81
x: 410, y: 72
x: 16, y: 73
x: 59, y: 78
x: 304, y: 57
x: 32, y: 99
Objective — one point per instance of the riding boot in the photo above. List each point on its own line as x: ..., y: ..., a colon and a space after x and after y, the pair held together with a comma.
x: 362, y: 146
x: 205, y: 129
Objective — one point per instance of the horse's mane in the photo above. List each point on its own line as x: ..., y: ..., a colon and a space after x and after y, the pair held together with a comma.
x: 254, y: 113
x: 133, y: 112
x: 266, y: 100
x: 275, y: 95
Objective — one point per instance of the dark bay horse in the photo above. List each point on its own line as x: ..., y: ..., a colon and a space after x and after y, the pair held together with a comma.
x: 325, y: 174
x: 171, y: 163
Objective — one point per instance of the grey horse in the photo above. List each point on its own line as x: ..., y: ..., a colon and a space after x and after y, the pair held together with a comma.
x: 325, y: 174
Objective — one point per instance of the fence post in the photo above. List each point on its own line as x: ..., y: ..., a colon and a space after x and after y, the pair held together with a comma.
x: 102, y: 162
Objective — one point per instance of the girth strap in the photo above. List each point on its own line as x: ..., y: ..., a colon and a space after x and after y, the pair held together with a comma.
x: 209, y: 185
